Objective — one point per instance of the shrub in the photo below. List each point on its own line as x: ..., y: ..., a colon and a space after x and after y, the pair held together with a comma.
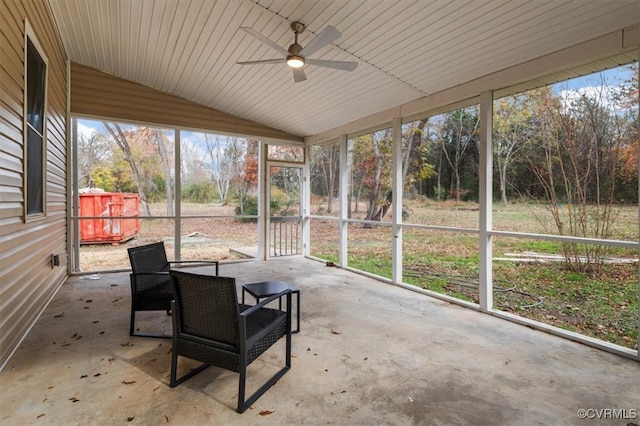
x: 204, y: 192
x: 251, y: 207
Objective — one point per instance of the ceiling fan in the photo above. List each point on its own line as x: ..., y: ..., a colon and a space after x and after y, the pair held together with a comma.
x: 297, y: 56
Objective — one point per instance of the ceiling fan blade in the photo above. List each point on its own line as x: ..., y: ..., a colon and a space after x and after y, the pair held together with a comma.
x: 263, y: 61
x: 299, y: 75
x: 339, y: 65
x: 326, y: 36
x: 281, y: 50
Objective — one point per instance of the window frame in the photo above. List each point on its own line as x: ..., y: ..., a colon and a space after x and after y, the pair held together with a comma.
x: 34, y: 212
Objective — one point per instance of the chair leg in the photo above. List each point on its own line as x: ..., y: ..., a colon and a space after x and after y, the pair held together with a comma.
x: 174, y: 371
x: 174, y: 367
x: 132, y: 325
x: 242, y: 383
x: 242, y: 404
x: 132, y: 322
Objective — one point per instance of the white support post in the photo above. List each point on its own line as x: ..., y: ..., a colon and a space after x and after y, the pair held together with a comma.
x: 76, y: 197
x: 638, y: 153
x: 263, y: 199
x: 345, y: 177
x: 396, y: 204
x: 486, y: 201
x: 178, y: 190
x: 306, y: 203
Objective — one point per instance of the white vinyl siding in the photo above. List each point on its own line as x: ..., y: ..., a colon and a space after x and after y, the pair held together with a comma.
x: 27, y: 279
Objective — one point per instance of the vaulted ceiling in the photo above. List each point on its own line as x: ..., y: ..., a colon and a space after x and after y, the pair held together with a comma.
x: 405, y: 50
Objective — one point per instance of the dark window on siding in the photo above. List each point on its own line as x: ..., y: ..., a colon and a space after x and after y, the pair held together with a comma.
x: 35, y: 87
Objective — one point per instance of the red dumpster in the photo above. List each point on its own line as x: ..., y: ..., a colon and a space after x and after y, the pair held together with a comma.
x: 112, y: 217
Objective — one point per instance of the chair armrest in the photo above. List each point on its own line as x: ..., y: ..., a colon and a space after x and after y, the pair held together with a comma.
x: 204, y: 262
x: 269, y: 299
x: 150, y: 273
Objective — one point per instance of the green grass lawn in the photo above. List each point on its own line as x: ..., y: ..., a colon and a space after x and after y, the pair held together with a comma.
x: 604, y: 305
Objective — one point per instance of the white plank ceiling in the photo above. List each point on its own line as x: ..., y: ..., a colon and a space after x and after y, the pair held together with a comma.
x: 404, y: 49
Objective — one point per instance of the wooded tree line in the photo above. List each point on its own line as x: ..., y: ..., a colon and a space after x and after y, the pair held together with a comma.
x: 546, y: 148
x: 141, y: 159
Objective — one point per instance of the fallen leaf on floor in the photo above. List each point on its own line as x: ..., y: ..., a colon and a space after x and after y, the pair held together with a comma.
x: 167, y: 418
x: 335, y: 332
x: 40, y: 415
x: 265, y: 412
x: 58, y: 316
x: 97, y: 375
x: 130, y: 419
x: 96, y: 321
x: 125, y: 382
x: 84, y: 376
x: 156, y: 388
x: 74, y: 399
x: 89, y: 300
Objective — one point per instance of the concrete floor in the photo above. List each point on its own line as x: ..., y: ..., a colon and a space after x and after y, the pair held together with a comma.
x: 369, y: 353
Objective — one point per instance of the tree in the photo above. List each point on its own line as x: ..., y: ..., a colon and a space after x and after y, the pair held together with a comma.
x: 220, y: 165
x: 121, y: 140
x: 459, y: 138
x: 324, y: 172
x: 378, y: 180
x: 246, y: 176
x: 161, y: 141
x: 579, y: 145
x: 415, y: 164
x: 511, y: 126
x: 93, y: 152
x: 628, y: 99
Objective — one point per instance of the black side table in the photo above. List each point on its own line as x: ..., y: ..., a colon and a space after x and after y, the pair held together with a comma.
x: 268, y: 288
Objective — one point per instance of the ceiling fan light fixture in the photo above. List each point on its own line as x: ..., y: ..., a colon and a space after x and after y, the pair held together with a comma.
x: 295, y: 61
x: 295, y: 56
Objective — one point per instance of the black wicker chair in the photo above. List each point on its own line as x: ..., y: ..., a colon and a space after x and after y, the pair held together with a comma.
x: 211, y: 327
x: 150, y: 282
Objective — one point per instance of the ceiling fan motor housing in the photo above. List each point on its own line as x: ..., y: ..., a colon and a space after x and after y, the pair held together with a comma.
x: 297, y: 27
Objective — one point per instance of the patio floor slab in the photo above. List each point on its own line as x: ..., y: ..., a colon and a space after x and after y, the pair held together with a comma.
x: 368, y: 353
